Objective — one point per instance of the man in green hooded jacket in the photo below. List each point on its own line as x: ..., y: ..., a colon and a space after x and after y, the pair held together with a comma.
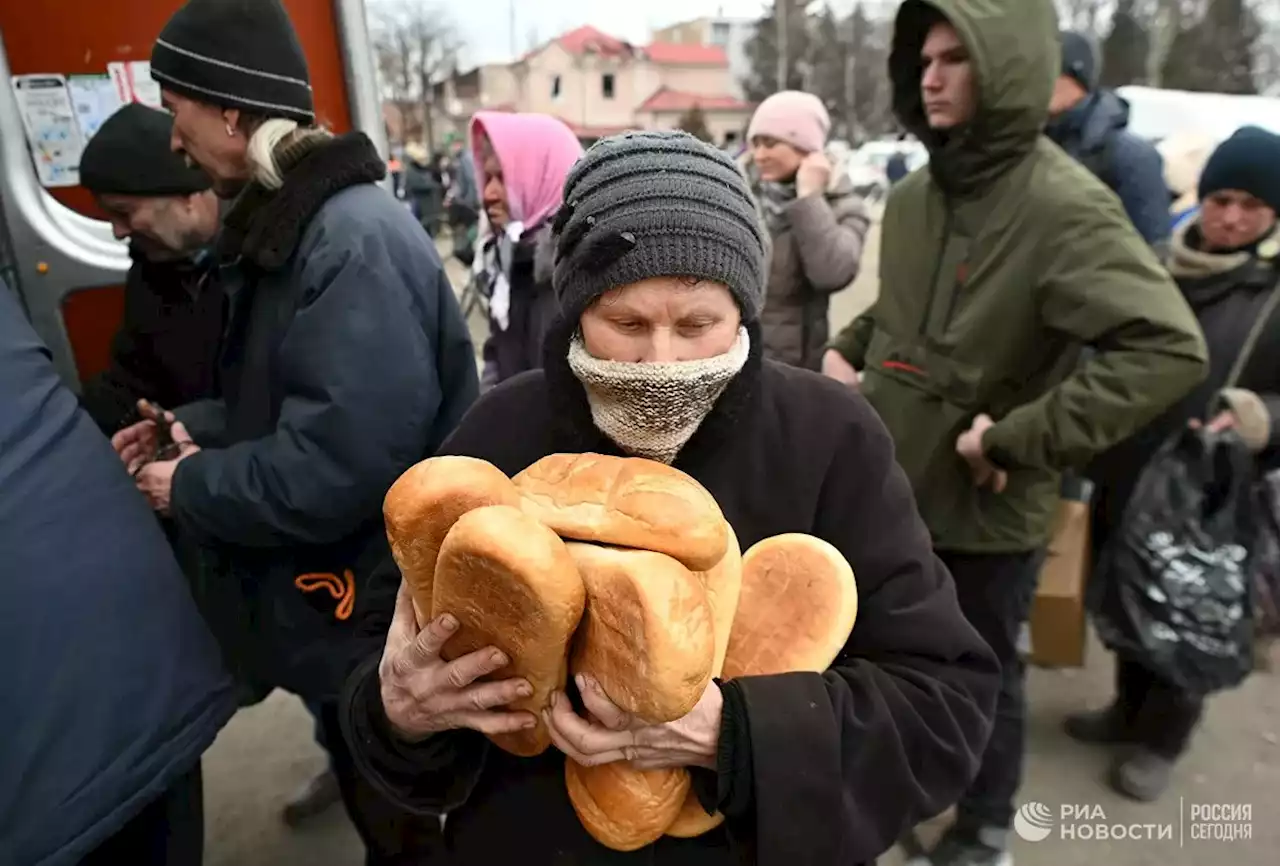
x: 999, y: 264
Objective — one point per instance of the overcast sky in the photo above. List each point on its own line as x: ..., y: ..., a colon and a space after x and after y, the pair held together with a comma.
x: 485, y: 24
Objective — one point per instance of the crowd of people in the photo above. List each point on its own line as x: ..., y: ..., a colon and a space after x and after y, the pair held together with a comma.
x: 291, y: 345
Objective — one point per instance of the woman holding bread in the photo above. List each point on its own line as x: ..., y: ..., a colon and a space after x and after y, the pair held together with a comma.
x: 583, y: 669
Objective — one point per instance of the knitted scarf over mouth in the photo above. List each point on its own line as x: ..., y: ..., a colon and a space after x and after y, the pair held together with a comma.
x: 652, y: 410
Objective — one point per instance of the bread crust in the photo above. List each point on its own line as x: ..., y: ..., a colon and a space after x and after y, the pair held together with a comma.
x: 646, y: 636
x: 798, y: 604
x: 424, y: 504
x: 623, y: 808
x: 512, y: 584
x: 626, y: 502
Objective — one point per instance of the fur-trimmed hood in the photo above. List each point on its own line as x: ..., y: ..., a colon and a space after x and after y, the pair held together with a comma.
x: 265, y: 226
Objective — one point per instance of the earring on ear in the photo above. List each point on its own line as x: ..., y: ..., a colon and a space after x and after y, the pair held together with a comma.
x: 231, y: 131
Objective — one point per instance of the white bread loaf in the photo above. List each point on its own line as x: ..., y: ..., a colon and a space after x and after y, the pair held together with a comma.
x: 797, y: 606
x: 511, y: 584
x: 422, y: 506
x: 647, y: 635
x: 626, y: 502
x: 624, y: 808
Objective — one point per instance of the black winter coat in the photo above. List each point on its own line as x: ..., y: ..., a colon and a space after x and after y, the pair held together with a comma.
x: 167, y: 347
x: 113, y: 685
x: 346, y: 361
x: 826, y: 769
x: 1227, y: 293
x: 511, y: 351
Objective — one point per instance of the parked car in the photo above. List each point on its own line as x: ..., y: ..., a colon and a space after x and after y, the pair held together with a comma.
x: 868, y: 164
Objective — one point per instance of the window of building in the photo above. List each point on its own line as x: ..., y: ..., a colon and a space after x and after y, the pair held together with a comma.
x: 720, y: 33
x: 555, y: 87
x: 606, y: 85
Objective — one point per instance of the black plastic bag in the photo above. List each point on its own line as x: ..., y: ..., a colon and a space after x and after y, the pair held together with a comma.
x: 1175, y: 577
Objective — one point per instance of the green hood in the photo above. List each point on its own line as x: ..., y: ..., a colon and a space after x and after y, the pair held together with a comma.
x: 1016, y: 58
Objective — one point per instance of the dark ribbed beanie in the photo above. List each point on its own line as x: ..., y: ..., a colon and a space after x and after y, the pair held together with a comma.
x: 131, y: 155
x: 1248, y: 161
x: 1080, y: 59
x: 235, y: 54
x: 657, y: 204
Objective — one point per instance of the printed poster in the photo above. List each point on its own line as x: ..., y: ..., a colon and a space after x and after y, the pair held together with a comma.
x: 94, y: 98
x: 133, y: 82
x: 53, y: 132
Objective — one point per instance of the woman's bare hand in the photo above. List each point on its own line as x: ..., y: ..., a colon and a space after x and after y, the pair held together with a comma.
x: 423, y: 694
x: 613, y: 735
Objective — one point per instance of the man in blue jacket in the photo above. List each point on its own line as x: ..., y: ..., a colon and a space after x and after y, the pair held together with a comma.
x: 346, y: 360
x: 113, y: 685
x: 1092, y: 124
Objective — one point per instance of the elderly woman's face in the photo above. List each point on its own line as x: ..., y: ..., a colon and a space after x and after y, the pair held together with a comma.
x: 662, y: 319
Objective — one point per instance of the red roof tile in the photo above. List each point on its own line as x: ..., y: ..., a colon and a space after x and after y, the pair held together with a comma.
x: 588, y: 38
x: 666, y: 99
x: 678, y: 54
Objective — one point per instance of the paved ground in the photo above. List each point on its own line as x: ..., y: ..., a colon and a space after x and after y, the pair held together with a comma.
x: 267, y: 751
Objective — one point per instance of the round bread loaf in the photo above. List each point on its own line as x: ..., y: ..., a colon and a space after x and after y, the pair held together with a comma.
x: 724, y: 583
x: 647, y: 636
x: 425, y: 502
x: 798, y: 604
x: 627, y: 502
x: 512, y: 584
x: 623, y: 808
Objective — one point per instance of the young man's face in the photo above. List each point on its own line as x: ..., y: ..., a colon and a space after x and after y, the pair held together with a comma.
x: 1231, y: 218
x: 946, y: 80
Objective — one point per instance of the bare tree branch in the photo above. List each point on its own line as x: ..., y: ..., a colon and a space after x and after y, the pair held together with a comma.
x: 416, y: 47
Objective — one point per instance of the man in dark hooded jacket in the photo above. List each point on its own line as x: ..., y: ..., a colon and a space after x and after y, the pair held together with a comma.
x: 113, y: 685
x: 346, y: 361
x: 1092, y: 125
x: 997, y: 266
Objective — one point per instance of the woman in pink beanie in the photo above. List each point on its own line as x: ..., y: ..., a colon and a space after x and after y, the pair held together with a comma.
x: 817, y: 222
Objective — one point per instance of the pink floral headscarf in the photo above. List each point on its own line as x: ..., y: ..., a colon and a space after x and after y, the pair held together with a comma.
x: 536, y: 152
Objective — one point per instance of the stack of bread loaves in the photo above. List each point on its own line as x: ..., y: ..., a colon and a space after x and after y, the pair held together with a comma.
x: 623, y: 569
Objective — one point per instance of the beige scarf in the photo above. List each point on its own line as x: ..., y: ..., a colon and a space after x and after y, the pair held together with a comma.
x: 652, y: 410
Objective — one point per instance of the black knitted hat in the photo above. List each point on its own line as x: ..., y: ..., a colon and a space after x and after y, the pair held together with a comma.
x: 657, y: 204
x: 1080, y: 59
x: 235, y: 54
x: 1248, y: 161
x: 131, y: 155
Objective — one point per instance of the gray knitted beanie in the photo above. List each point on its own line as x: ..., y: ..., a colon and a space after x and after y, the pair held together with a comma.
x: 657, y: 204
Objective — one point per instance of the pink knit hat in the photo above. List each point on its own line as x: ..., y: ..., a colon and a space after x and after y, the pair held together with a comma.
x: 800, y: 119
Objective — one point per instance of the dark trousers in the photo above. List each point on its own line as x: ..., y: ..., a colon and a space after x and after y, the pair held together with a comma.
x: 995, y: 593
x: 391, y: 835
x: 1158, y: 714
x: 168, y: 832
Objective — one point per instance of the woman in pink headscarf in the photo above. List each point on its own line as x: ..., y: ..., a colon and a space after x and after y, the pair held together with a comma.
x: 522, y: 161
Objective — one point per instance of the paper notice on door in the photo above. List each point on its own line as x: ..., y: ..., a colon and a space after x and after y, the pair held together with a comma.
x: 133, y: 82
x: 53, y: 131
x: 94, y: 98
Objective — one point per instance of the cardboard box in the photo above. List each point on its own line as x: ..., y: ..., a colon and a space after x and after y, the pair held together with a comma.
x: 1057, y: 627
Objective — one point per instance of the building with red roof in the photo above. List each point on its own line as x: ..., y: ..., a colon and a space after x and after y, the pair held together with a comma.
x: 600, y: 84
